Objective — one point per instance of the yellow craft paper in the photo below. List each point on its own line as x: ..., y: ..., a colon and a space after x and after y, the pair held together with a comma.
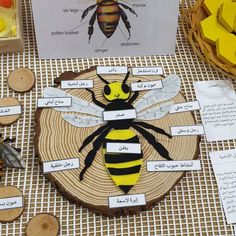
x: 211, y: 29
x: 226, y: 48
x: 227, y: 16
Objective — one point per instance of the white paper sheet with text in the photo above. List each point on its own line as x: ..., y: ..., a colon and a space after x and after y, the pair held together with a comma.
x: 218, y: 108
x: 65, y: 29
x: 224, y: 166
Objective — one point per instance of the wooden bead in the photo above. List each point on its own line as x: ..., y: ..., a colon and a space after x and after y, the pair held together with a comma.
x: 43, y: 224
x: 10, y: 215
x: 21, y: 80
x: 8, y: 120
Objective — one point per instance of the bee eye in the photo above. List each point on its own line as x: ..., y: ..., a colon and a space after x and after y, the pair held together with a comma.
x: 107, y: 90
x: 125, y: 88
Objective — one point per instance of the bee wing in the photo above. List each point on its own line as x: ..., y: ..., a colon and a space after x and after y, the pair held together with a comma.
x: 11, y: 157
x: 78, y: 104
x: 82, y: 121
x: 155, y: 113
x: 171, y: 87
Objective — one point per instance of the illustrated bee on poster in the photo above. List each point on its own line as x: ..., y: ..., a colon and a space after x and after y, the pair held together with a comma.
x: 124, y: 168
x: 108, y: 14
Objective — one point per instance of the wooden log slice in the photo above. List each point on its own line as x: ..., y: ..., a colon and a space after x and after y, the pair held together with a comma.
x: 56, y: 139
x: 43, y: 224
x: 21, y: 80
x: 7, y: 102
x: 10, y: 215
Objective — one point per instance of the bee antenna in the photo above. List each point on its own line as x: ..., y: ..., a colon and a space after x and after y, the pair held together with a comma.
x: 126, y: 77
x: 106, y: 82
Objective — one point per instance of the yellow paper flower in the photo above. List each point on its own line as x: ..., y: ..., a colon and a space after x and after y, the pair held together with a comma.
x: 7, y: 23
x: 218, y: 29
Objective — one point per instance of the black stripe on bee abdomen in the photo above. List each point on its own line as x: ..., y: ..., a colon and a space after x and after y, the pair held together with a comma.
x: 124, y: 168
x: 122, y: 158
x: 125, y: 171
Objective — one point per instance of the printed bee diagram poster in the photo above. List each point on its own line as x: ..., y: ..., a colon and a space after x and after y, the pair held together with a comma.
x: 105, y: 28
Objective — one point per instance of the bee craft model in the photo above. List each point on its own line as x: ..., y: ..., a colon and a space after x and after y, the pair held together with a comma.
x: 9, y: 156
x: 124, y: 169
x: 108, y: 13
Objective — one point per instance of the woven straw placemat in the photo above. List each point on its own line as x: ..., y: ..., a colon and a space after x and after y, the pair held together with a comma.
x: 191, y: 208
x: 191, y: 17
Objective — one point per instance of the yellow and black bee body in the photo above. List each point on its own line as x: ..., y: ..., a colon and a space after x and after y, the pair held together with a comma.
x: 124, y: 169
x: 108, y: 14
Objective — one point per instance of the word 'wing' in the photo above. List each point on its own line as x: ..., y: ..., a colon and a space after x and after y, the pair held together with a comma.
x: 82, y: 121
x: 155, y: 113
x: 171, y: 87
x: 78, y: 104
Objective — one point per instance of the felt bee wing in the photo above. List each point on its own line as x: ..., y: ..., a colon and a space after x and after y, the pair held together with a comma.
x: 79, y: 106
x: 156, y: 112
x: 82, y: 121
x: 11, y: 156
x: 171, y: 87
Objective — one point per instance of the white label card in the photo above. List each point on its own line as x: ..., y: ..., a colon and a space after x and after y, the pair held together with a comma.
x: 224, y: 166
x: 55, y: 102
x: 187, y: 130
x: 158, y: 166
x: 127, y: 201
x: 60, y: 165
x: 147, y: 70
x: 112, y: 70
x: 184, y: 107
x: 123, y: 148
x: 119, y: 115
x: 150, y: 85
x: 76, y: 84
x: 11, y: 203
x: 218, y: 108
x: 11, y: 110
x: 214, y: 85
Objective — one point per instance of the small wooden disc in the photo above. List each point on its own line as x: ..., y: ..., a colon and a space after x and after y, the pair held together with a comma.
x: 21, y: 80
x: 43, y: 224
x: 10, y: 215
x: 5, y: 102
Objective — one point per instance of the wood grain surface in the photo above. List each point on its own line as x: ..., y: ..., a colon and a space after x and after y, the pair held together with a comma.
x: 8, y: 120
x: 7, y: 216
x: 21, y: 80
x: 56, y: 139
x: 43, y: 224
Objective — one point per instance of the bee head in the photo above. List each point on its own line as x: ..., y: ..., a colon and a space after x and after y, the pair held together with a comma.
x: 116, y: 90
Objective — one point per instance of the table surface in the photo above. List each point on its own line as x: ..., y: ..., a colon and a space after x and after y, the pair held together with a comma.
x: 191, y: 208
